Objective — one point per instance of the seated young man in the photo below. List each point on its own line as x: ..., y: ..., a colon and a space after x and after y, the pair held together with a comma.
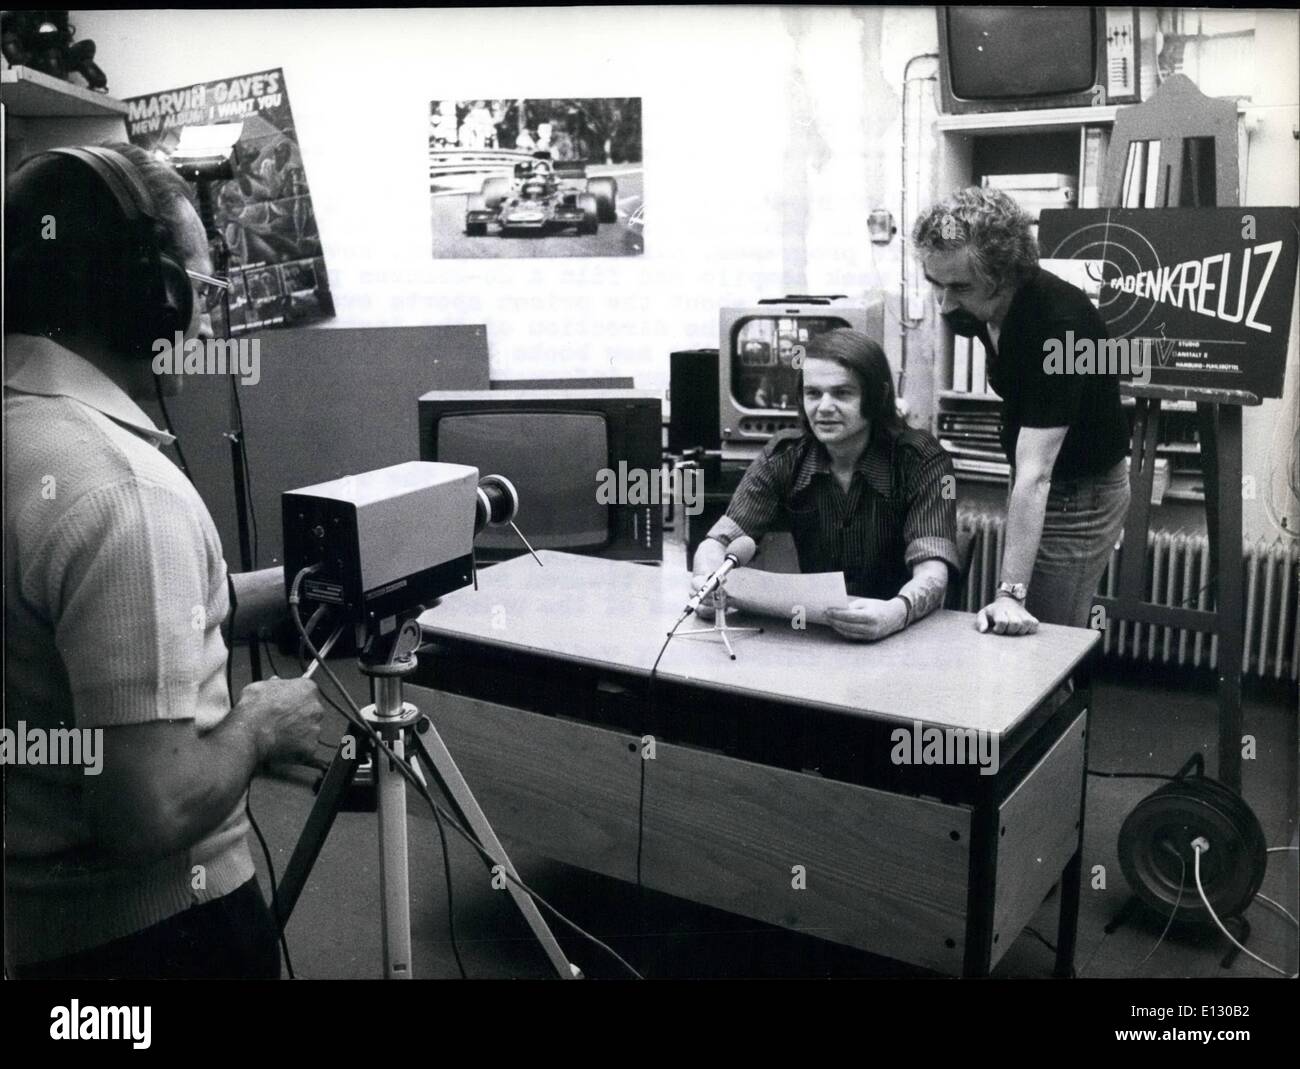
x: 859, y: 491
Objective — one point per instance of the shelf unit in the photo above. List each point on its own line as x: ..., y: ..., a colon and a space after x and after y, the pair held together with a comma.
x: 1051, y: 141
x: 1071, y: 141
x: 42, y: 112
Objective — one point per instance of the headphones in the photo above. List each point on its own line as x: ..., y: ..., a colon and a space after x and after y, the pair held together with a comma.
x: 147, y: 289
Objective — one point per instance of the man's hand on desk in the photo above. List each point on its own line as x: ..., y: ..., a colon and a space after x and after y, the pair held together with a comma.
x: 867, y: 619
x: 1006, y: 616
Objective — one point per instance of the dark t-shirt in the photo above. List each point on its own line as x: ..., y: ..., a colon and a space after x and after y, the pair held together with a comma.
x: 1044, y: 308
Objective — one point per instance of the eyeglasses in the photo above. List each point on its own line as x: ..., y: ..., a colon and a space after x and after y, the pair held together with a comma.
x: 209, y: 289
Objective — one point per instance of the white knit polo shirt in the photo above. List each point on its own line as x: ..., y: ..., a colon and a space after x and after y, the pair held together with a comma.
x: 115, y: 592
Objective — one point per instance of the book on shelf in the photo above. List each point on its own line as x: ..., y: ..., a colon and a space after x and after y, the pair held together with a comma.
x: 1035, y: 192
x: 961, y: 364
x: 1141, y: 175
x: 1090, y: 173
x: 964, y: 449
x: 1152, y: 176
x: 981, y: 467
x: 956, y: 423
x: 970, y: 432
x: 978, y: 367
x: 1034, y: 201
x: 1012, y: 182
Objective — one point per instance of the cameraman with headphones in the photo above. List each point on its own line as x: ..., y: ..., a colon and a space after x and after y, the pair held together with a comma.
x: 115, y: 595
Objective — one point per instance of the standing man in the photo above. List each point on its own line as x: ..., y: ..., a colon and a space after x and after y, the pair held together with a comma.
x: 115, y: 596
x: 1065, y: 434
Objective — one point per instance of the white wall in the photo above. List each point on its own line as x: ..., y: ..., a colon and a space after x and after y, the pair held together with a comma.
x: 1271, y: 176
x: 733, y: 99
x: 769, y: 133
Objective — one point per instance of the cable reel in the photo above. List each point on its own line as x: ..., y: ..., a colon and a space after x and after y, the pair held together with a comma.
x: 1156, y: 854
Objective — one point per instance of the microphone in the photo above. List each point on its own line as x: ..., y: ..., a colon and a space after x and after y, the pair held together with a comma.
x: 739, y: 553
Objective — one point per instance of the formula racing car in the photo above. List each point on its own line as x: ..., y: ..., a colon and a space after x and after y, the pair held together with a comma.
x: 542, y: 197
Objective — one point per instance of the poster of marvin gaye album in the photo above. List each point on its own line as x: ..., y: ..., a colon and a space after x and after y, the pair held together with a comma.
x: 277, y: 267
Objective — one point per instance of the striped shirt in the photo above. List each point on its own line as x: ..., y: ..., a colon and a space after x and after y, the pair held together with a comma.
x: 894, y: 516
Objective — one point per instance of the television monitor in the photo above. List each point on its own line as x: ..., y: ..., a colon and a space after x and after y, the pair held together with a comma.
x: 1017, y: 58
x: 586, y: 464
x: 758, y: 380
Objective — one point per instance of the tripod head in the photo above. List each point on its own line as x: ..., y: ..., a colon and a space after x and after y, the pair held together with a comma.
x: 391, y: 655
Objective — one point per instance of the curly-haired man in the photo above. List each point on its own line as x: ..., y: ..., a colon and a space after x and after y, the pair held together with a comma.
x: 1065, y: 434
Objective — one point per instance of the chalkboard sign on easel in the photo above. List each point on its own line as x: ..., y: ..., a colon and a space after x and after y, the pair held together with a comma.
x: 1201, y: 300
x: 1201, y: 297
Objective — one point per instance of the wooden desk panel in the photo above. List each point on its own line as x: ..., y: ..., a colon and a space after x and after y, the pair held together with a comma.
x: 616, y: 615
x: 881, y: 872
x: 1034, y: 842
x: 566, y: 790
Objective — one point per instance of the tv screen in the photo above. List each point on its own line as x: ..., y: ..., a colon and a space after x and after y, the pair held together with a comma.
x: 558, y: 508
x: 763, y: 375
x: 559, y: 448
x: 1010, y: 54
x: 758, y: 380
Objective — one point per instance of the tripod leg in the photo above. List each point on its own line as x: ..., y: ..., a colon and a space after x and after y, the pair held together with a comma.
x: 444, y: 770
x: 394, y: 872
x: 726, y: 641
x: 319, y: 822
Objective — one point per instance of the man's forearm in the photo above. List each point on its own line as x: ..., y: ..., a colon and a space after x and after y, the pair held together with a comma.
x: 926, y: 589
x: 1024, y: 528
x: 709, y: 556
x: 217, y: 771
x: 260, y: 604
x: 166, y: 785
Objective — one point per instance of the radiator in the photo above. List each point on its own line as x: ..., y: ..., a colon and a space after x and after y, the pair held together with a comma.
x: 1180, y: 575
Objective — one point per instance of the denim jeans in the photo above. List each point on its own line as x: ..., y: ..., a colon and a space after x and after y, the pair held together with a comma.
x: 1084, y: 519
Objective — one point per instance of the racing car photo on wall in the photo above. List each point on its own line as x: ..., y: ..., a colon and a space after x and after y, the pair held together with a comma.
x: 536, y: 177
x: 542, y: 198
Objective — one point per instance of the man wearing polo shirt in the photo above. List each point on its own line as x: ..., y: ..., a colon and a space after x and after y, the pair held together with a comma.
x: 115, y: 596
x: 859, y: 491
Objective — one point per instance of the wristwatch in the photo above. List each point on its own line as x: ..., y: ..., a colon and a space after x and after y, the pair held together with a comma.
x: 1014, y: 590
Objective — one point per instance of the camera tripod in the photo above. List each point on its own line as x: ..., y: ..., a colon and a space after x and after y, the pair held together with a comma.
x: 406, y: 731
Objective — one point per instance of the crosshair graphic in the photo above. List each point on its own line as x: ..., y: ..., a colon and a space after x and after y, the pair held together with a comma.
x: 1121, y: 251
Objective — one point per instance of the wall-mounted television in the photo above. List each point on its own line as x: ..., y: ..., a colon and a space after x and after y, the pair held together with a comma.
x: 1018, y: 58
x: 554, y: 446
x: 758, y: 376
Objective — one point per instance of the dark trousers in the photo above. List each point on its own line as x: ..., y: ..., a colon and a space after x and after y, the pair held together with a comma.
x: 231, y: 938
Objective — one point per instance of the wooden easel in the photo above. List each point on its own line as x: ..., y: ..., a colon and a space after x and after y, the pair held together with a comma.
x: 1179, y: 115
x: 1219, y: 416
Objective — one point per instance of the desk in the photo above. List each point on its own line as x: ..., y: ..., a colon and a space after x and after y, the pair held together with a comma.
x: 769, y: 788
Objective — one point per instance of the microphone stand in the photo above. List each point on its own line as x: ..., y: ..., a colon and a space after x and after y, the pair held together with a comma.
x: 720, y: 628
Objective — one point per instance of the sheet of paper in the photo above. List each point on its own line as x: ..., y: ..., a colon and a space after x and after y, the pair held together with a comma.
x: 776, y: 594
